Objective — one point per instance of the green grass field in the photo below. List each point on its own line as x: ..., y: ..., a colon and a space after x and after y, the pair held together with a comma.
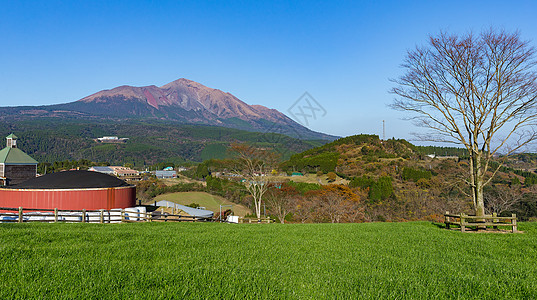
x: 210, y: 202
x: 252, y: 261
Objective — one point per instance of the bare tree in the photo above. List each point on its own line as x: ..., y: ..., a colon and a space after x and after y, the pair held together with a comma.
x: 281, y: 201
x: 338, y: 203
x: 255, y: 166
x: 502, y: 198
x: 305, y: 208
x: 478, y: 91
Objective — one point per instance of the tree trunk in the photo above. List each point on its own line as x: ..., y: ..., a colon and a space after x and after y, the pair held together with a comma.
x: 477, y: 188
x: 477, y: 185
x: 258, y: 208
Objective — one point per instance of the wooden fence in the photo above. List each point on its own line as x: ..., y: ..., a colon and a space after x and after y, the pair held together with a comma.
x: 20, y: 215
x: 465, y: 221
x: 255, y: 220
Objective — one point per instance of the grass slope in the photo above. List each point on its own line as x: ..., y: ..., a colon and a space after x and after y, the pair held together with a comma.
x: 210, y: 202
x: 223, y: 261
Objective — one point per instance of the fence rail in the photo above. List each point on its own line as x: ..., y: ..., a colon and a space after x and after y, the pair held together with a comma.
x: 130, y: 215
x: 255, y: 220
x: 465, y: 221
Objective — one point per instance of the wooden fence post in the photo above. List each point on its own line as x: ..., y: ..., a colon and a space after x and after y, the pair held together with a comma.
x: 84, y: 215
x: 446, y: 219
x: 463, y: 224
x: 122, y: 215
x: 55, y: 215
x: 513, y: 221
x: 101, y: 217
x: 20, y: 214
x: 494, y: 220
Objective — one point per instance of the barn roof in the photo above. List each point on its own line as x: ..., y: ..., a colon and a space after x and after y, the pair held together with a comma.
x: 72, y: 180
x: 10, y: 155
x: 102, y: 169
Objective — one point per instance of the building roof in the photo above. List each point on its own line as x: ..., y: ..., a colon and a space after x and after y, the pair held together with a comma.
x: 126, y: 172
x: 102, y: 169
x: 11, y: 136
x: 10, y: 155
x: 71, y: 180
x: 166, y: 172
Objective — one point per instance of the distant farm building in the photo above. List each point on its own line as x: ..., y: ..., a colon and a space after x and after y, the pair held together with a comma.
x: 165, y: 174
x: 15, y: 165
x: 70, y: 190
x: 124, y: 171
x: 104, y: 170
x: 111, y: 139
x: 115, y: 170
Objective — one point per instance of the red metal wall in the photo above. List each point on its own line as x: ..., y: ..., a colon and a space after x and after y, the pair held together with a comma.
x: 75, y: 199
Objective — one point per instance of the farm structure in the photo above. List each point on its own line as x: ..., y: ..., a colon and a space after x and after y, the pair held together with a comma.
x: 15, y: 165
x: 115, y: 170
x: 165, y: 174
x: 111, y: 139
x: 70, y: 190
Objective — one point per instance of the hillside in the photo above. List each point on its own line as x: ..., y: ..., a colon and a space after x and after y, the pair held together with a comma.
x: 179, y: 102
x: 402, y: 183
x: 149, y: 142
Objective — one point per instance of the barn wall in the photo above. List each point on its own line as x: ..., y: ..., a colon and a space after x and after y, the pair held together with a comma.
x: 70, y: 199
x: 19, y: 173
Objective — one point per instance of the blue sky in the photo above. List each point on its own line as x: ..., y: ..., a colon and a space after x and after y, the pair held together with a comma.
x: 342, y: 52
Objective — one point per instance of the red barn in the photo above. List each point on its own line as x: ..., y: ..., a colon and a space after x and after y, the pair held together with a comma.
x: 70, y: 190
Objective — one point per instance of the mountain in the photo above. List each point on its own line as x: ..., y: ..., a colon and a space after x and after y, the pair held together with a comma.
x: 181, y: 101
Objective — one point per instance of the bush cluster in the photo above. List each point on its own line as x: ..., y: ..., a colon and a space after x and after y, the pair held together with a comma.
x: 415, y: 174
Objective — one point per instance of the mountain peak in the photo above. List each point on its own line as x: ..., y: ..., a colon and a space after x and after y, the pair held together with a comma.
x: 183, y: 101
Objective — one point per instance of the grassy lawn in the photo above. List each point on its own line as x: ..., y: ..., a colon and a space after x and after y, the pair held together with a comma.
x: 311, y: 178
x: 296, y: 261
x: 210, y: 202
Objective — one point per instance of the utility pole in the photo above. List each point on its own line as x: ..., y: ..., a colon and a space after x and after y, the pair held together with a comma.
x: 383, y: 130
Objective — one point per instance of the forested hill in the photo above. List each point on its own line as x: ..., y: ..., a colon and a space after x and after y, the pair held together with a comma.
x: 149, y: 143
x: 349, y: 151
x: 403, y: 183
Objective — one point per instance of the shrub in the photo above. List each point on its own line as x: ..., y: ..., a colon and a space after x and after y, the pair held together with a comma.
x: 423, y: 183
x: 361, y: 182
x: 415, y: 174
x: 382, y: 189
x: 331, y: 176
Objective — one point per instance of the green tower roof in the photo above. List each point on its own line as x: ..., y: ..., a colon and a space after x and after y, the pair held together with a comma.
x: 11, y: 136
x: 10, y: 155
